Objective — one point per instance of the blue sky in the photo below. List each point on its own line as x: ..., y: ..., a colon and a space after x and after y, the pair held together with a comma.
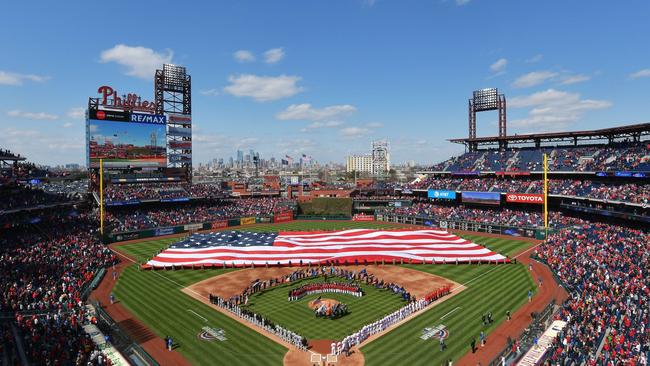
x: 325, y: 78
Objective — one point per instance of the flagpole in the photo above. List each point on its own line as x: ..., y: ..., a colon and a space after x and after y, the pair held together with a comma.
x: 546, y: 195
x: 101, y: 196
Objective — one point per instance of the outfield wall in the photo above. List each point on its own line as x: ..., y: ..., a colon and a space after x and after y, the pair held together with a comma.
x: 211, y: 225
x: 528, y: 232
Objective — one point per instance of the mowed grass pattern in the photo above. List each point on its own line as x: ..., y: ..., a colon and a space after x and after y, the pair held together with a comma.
x: 156, y: 299
x: 489, y: 288
x: 297, y: 316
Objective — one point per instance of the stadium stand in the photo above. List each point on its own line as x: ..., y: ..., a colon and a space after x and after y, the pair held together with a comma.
x: 500, y: 216
x: 45, y: 269
x: 622, y: 156
x: 163, y: 216
x: 159, y: 191
x: 605, y: 268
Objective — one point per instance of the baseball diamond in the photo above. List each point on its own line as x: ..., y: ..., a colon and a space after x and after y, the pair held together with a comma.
x: 348, y: 183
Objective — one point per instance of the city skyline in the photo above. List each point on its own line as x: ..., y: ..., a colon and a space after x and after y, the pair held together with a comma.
x: 326, y: 79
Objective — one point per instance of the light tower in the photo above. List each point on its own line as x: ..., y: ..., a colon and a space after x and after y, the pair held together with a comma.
x: 487, y: 100
x: 173, y: 94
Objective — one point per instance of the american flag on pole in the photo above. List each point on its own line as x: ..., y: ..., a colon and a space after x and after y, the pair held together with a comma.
x: 236, y: 248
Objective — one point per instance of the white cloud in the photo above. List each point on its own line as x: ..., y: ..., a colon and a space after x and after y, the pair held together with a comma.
x: 318, y: 125
x: 32, y: 115
x: 462, y: 2
x: 533, y: 78
x: 247, y: 141
x: 76, y: 112
x: 273, y: 55
x: 243, y: 56
x: 499, y: 65
x: 641, y: 74
x: 139, y: 61
x: 354, y: 132
x: 263, y: 88
x: 374, y: 125
x: 306, y: 112
x: 211, y: 92
x: 574, y: 79
x: 15, y: 79
x: 67, y: 125
x: 537, y: 58
x: 553, y: 109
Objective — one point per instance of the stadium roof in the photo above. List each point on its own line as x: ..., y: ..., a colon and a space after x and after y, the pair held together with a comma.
x: 635, y: 132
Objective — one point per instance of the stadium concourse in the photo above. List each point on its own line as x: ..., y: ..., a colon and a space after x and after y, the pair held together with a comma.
x: 52, y: 255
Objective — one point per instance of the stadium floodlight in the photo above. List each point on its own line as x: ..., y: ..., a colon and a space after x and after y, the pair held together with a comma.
x: 487, y: 99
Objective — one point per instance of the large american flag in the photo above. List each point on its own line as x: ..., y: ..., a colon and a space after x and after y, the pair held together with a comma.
x: 318, y: 247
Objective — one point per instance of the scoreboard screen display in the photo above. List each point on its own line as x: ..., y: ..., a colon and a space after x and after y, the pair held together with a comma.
x: 126, y: 139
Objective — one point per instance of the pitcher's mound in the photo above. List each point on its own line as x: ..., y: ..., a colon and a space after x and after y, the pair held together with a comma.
x: 315, y: 304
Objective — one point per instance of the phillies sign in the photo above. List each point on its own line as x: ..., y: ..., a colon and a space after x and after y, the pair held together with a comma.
x: 525, y: 198
x: 128, y: 102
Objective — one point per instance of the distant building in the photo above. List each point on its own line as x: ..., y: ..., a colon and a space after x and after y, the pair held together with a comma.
x: 380, y: 157
x: 359, y: 163
x: 376, y: 163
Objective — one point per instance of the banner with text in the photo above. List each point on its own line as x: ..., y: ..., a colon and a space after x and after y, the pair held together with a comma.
x: 362, y: 217
x: 247, y: 220
x: 525, y: 198
x: 219, y: 224
x: 283, y: 216
x: 441, y: 194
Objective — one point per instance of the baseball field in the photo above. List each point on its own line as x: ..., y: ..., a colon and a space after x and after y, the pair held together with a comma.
x: 156, y: 300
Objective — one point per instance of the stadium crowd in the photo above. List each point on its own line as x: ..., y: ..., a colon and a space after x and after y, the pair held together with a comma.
x: 625, y: 192
x: 18, y: 196
x: 145, y: 218
x: 159, y: 191
x: 45, y: 270
x: 605, y: 268
x: 616, y: 157
x: 503, y: 216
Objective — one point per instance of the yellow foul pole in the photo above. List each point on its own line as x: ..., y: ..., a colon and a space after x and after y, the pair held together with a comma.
x: 545, y: 195
x: 101, y: 196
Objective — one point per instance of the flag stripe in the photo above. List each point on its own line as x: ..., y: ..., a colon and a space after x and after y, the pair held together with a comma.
x: 242, y: 248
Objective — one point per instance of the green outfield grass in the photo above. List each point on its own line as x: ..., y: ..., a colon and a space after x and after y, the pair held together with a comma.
x: 156, y: 299
x: 489, y: 288
x: 297, y: 316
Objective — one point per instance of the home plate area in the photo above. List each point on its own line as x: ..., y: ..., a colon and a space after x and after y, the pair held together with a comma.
x: 296, y: 306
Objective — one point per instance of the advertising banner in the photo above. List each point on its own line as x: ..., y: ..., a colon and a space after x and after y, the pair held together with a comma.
x: 247, y: 220
x: 219, y: 224
x: 525, y: 198
x: 190, y: 227
x: 283, y: 216
x: 177, y: 199
x: 163, y: 231
x: 263, y: 220
x: 486, y: 198
x: 363, y: 217
x: 126, y: 139
x: 441, y: 194
x: 122, y: 203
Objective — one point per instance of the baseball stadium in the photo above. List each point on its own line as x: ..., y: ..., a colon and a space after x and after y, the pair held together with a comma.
x: 525, y: 249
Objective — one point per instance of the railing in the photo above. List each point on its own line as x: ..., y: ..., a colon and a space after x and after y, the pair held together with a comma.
x: 323, y: 217
x: 523, y: 231
x: 120, y: 340
x: 541, y: 321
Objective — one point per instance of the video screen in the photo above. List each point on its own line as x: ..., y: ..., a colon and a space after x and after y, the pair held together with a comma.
x: 117, y: 138
x: 486, y: 198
